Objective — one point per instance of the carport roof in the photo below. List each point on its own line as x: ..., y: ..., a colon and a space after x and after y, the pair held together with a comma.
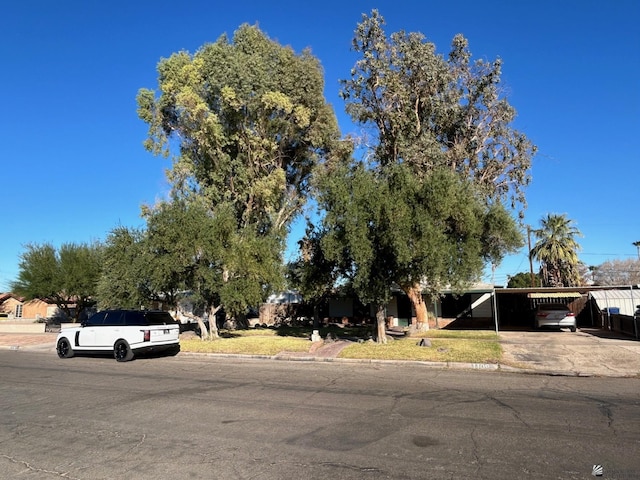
x: 624, y: 299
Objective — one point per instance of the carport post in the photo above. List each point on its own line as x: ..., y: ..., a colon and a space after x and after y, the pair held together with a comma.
x: 606, y: 301
x: 633, y: 309
x: 495, y: 308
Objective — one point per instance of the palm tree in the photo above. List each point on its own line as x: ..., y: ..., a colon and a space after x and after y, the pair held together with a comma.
x: 637, y: 245
x: 556, y: 250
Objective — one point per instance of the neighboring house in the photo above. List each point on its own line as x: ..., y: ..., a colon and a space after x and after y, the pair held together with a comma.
x: 16, y: 307
x: 11, y: 305
x: 288, y: 297
x: 38, y: 309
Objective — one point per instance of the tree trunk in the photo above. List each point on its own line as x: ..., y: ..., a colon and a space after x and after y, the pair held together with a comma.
x: 414, y: 292
x: 212, y: 332
x: 381, y: 326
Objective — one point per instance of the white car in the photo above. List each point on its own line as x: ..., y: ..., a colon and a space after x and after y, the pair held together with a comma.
x: 555, y: 315
x: 125, y: 333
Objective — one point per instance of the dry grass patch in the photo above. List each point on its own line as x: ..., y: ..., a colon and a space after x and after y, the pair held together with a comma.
x: 463, y: 334
x: 469, y: 346
x: 249, y: 332
x: 441, y: 350
x: 247, y: 345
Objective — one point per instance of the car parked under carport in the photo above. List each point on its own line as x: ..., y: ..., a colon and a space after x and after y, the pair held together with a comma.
x: 556, y: 315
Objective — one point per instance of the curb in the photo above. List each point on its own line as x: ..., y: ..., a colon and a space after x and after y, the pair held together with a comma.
x: 43, y: 346
x: 436, y: 365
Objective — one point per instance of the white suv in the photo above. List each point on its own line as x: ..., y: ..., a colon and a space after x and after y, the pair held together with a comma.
x: 126, y: 333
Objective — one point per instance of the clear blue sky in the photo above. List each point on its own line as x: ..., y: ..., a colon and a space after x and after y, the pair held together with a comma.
x: 71, y: 156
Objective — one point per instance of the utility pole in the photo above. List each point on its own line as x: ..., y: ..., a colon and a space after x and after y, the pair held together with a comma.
x: 530, y: 259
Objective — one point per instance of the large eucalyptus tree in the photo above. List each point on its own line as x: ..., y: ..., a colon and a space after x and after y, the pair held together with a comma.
x: 246, y: 121
x: 431, y: 121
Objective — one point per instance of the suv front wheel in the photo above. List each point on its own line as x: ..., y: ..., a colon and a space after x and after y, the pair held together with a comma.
x: 122, y: 351
x: 64, y: 348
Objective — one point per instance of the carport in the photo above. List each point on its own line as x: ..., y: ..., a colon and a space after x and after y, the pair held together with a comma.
x: 486, y: 306
x: 474, y: 308
x: 516, y: 306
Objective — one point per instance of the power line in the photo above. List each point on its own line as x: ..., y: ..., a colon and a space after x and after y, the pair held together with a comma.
x: 612, y: 254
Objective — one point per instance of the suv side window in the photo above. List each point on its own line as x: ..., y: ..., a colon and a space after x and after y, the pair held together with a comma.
x: 97, y: 319
x: 114, y: 318
x: 135, y: 318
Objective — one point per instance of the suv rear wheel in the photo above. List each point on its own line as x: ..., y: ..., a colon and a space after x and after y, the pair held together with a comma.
x: 122, y: 351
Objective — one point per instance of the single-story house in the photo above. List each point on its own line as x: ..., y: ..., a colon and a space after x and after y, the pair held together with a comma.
x: 14, y: 307
x: 11, y: 305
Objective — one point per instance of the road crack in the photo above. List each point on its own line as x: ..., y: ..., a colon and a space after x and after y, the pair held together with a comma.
x: 31, y: 468
x: 514, y: 412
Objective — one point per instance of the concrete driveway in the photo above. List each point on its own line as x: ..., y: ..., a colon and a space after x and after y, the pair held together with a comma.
x: 585, y: 352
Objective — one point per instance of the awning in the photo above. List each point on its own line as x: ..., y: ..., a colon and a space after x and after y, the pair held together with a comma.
x: 554, y: 295
x: 624, y: 300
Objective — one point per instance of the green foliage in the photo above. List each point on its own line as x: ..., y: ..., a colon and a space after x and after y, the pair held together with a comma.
x: 431, y: 112
x: 557, y: 251
x: 388, y: 226
x: 523, y: 280
x: 122, y: 283
x: 68, y: 275
x: 250, y: 122
x: 185, y: 248
x: 39, y: 274
x: 424, y: 209
x: 312, y: 274
x: 156, y: 264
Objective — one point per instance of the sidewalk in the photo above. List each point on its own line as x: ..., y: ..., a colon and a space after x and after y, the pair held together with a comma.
x: 588, y: 352
x: 24, y: 341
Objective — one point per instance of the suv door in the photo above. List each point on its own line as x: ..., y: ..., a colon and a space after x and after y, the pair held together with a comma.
x: 86, y: 336
x: 111, y: 330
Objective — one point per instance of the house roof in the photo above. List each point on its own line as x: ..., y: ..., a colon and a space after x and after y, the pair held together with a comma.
x: 6, y: 296
x: 473, y: 288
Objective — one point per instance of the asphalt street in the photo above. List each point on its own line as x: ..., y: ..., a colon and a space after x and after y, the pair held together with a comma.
x: 221, y: 418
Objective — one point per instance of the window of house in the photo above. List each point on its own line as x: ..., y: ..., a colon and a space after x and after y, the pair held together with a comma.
x: 18, y: 311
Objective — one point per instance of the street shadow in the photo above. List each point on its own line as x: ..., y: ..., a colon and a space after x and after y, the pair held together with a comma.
x: 608, y: 334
